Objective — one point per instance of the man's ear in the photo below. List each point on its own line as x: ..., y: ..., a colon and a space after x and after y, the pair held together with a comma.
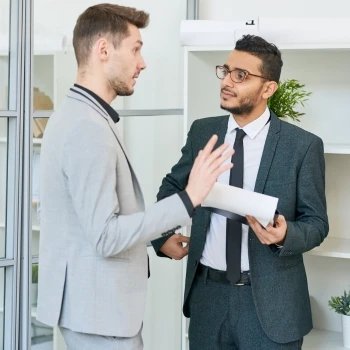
x: 270, y: 88
x: 102, y: 49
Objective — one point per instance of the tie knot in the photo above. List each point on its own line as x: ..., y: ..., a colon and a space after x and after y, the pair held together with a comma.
x: 240, y: 134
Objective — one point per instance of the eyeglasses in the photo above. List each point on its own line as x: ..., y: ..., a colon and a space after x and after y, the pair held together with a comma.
x: 236, y: 75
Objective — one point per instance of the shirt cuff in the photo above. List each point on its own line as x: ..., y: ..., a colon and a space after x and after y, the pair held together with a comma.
x: 187, y: 202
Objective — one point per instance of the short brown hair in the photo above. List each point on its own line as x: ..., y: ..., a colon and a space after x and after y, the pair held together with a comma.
x: 104, y: 19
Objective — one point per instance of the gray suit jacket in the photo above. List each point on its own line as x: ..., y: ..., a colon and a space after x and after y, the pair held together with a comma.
x: 292, y: 168
x: 94, y: 227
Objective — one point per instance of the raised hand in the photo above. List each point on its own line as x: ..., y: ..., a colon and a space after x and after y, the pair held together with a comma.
x: 207, y: 167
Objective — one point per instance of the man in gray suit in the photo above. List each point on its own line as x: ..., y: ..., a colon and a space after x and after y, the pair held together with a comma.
x: 94, y: 226
x: 246, y: 286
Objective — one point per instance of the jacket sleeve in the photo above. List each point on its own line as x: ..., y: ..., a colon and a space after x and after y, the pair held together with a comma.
x: 311, y: 225
x: 175, y: 182
x: 90, y: 165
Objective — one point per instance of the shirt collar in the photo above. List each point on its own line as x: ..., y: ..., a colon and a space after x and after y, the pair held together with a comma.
x: 109, y: 109
x: 252, y: 129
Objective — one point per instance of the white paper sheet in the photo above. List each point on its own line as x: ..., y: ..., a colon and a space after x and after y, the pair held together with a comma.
x: 242, y: 202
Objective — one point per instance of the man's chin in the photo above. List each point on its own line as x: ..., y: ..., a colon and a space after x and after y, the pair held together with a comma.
x: 241, y: 110
x: 226, y: 107
x: 125, y: 92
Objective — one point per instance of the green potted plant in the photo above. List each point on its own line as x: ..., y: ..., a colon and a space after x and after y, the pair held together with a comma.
x: 289, y: 95
x: 341, y: 305
x: 35, y: 271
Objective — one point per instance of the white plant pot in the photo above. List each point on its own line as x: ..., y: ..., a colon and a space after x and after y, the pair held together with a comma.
x: 34, y: 293
x: 345, y: 320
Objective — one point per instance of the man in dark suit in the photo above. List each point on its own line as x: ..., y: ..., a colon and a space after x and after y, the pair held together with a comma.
x: 246, y: 285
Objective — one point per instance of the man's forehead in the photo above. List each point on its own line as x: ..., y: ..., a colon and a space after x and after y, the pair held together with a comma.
x: 243, y: 60
x: 134, y: 31
x: 134, y: 36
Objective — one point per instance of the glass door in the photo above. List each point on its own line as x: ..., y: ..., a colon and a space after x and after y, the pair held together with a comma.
x: 10, y: 170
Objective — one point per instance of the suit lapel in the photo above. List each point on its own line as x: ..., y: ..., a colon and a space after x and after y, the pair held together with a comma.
x: 137, y: 186
x: 81, y: 95
x: 268, y: 153
x: 220, y: 129
x: 78, y: 94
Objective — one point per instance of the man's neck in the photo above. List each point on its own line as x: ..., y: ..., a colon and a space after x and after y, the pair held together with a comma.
x: 94, y: 84
x: 245, y: 119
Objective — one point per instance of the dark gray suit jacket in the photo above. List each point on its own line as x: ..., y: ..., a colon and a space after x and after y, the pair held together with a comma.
x: 292, y: 168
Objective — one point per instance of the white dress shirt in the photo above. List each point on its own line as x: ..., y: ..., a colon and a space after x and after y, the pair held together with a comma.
x: 214, y: 254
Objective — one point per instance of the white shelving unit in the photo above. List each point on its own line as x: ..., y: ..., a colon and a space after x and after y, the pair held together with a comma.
x: 324, y: 68
x: 323, y: 340
x: 337, y: 148
x: 333, y: 247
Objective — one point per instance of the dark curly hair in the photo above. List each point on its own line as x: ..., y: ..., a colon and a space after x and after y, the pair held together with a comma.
x: 268, y: 53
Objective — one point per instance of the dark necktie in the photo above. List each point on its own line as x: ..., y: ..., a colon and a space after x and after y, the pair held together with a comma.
x: 234, y: 228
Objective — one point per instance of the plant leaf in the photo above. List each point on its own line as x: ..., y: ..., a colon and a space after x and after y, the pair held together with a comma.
x: 289, y: 95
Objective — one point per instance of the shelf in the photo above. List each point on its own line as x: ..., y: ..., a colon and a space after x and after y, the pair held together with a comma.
x: 209, y: 48
x: 35, y: 228
x: 33, y: 310
x: 43, y: 44
x: 301, y: 47
x: 309, y: 33
x: 37, y: 53
x: 333, y: 247
x: 337, y: 148
x: 36, y: 141
x: 323, y: 340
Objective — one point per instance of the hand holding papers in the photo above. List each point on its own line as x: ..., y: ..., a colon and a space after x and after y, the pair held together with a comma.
x: 242, y: 202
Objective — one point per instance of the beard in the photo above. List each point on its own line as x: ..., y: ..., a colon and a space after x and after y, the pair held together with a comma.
x: 244, y: 108
x: 120, y: 87
x: 245, y: 105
